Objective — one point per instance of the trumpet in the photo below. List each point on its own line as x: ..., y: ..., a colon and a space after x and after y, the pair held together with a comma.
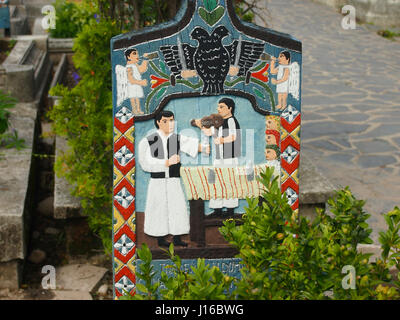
x: 266, y: 57
x: 149, y: 56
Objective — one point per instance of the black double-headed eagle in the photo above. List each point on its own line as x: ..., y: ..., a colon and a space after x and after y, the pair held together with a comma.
x: 211, y: 60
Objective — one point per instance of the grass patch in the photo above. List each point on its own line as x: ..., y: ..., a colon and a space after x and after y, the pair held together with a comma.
x: 388, y: 34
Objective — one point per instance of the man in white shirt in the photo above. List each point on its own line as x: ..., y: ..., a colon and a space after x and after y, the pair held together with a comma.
x: 228, y: 149
x: 166, y: 210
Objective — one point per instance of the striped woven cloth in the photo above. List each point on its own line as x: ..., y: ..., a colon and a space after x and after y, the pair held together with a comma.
x: 229, y: 182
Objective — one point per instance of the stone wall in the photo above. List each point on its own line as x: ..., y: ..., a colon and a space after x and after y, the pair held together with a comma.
x: 385, y: 13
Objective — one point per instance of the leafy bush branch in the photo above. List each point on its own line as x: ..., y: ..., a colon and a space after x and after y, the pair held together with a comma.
x: 287, y: 257
x: 83, y: 116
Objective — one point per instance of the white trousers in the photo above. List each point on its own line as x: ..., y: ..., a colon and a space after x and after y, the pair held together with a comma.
x: 224, y: 203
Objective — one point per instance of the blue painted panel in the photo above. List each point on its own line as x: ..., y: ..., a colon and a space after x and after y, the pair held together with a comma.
x: 186, y: 109
x: 230, y: 267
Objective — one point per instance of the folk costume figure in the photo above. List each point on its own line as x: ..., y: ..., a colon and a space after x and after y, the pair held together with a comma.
x: 228, y: 150
x: 159, y: 154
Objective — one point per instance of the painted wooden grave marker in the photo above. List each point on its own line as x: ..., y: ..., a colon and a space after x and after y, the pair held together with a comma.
x: 4, y: 15
x: 202, y: 105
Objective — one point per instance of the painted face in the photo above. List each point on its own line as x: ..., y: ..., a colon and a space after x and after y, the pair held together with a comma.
x: 270, y: 139
x: 134, y: 56
x: 223, y: 110
x: 271, y: 124
x: 270, y: 154
x: 166, y: 125
x: 282, y: 59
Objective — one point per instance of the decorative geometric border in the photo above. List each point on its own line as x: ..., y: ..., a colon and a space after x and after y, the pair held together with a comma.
x: 124, y: 222
x: 288, y: 126
x: 124, y: 215
x: 290, y: 154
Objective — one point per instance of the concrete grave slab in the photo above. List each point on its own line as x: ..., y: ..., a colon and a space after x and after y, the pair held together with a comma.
x: 79, y: 277
x: 10, y: 274
x: 65, y: 205
x: 70, y: 295
x: 16, y: 183
x: 15, y: 177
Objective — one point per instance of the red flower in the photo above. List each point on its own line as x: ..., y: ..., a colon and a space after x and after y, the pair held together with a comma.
x: 156, y: 81
x: 262, y: 74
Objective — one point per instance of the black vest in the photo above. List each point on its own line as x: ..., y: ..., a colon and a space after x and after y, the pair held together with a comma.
x: 231, y: 149
x: 157, y: 151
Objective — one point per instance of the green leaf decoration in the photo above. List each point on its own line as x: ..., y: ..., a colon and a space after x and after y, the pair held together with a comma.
x: 259, y: 67
x: 153, y: 93
x: 268, y: 90
x: 159, y: 95
x: 259, y: 93
x: 234, y: 82
x: 162, y: 66
x: 210, y: 5
x: 212, y: 17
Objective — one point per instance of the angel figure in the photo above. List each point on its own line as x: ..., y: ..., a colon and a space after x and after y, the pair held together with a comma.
x: 287, y: 80
x: 129, y: 80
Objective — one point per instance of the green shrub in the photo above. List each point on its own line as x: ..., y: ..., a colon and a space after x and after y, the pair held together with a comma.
x: 6, y: 103
x: 83, y: 116
x: 287, y: 257
x: 11, y: 45
x: 388, y: 34
x: 245, y: 11
x: 70, y: 18
x: 204, y: 283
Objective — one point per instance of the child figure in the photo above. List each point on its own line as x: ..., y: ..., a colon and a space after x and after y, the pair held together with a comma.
x: 272, y: 123
x: 282, y: 79
x: 272, y: 152
x: 272, y: 137
x: 135, y: 82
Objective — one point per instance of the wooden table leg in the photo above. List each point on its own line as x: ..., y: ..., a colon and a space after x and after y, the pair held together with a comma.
x: 197, y: 228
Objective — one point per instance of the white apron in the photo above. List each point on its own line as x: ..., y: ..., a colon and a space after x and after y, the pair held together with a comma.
x: 220, y: 163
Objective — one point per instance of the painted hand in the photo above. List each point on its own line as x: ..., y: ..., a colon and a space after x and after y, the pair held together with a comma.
x: 188, y: 73
x: 233, y: 71
x: 173, y: 160
x: 219, y: 140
